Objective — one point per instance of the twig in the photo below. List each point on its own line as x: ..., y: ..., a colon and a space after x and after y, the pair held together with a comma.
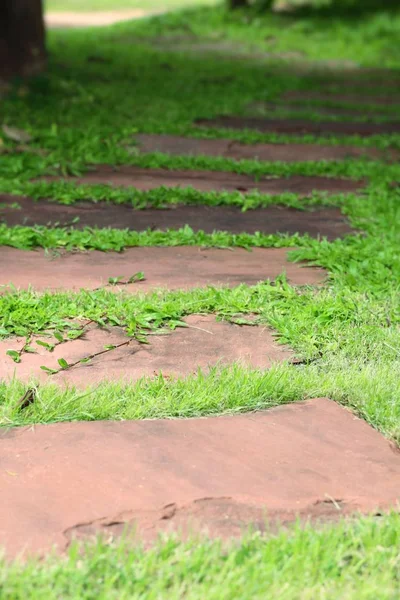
x: 88, y: 358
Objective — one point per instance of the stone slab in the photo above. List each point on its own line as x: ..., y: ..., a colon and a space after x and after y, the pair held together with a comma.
x: 204, y: 343
x: 297, y: 110
x: 172, y: 268
x: 177, y: 145
x: 302, y: 126
x: 359, y: 99
x: 213, y: 475
x: 209, y: 181
x: 327, y: 222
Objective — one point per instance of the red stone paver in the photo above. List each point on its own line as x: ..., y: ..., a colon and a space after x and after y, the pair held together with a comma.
x: 164, y: 267
x: 301, y: 126
x: 177, y: 145
x: 210, y: 181
x: 350, y: 98
x: 221, y: 474
x: 327, y: 222
x: 297, y: 110
x: 204, y: 343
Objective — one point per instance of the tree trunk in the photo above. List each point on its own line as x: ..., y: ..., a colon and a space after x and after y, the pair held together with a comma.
x: 22, y: 37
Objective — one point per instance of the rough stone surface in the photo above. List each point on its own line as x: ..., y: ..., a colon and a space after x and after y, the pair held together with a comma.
x: 204, y: 343
x: 210, y: 181
x: 176, y: 145
x: 327, y: 222
x: 312, y: 459
x: 164, y: 267
x: 302, y: 126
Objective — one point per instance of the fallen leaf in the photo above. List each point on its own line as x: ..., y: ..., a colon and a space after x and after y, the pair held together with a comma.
x: 28, y: 398
x: 16, y: 135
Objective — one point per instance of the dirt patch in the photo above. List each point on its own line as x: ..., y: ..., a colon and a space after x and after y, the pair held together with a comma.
x: 327, y: 222
x: 301, y: 126
x: 182, y: 267
x: 305, y: 459
x: 94, y: 18
x: 358, y: 99
x: 176, y: 145
x: 210, y: 181
x: 204, y: 343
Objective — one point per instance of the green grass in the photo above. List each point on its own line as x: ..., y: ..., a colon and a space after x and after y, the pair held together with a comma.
x: 357, y: 561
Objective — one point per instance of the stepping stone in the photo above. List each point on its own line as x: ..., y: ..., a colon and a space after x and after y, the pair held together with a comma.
x: 357, y: 99
x: 209, y: 181
x: 266, y: 109
x: 314, y: 460
x: 301, y: 126
x: 204, y: 343
x: 176, y: 146
x: 181, y: 267
x: 327, y: 222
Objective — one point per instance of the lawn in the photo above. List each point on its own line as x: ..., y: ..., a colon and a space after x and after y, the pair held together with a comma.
x: 157, y: 76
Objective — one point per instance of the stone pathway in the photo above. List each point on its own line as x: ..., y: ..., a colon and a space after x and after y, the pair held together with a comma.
x: 313, y: 460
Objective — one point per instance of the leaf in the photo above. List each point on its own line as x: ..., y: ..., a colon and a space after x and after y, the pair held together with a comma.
x: 14, y: 355
x: 30, y: 349
x: 58, y: 336
x: 114, y: 320
x: 109, y: 347
x: 74, y: 334
x: 115, y: 280
x: 49, y: 347
x: 16, y: 135
x: 49, y: 371
x: 139, y: 276
x: 63, y: 363
x: 28, y: 398
x: 85, y: 360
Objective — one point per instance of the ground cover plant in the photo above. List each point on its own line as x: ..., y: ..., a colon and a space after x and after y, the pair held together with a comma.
x: 158, y: 76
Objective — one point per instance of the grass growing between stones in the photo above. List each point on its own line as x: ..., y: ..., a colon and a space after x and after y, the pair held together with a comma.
x: 348, y: 342
x: 350, y: 560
